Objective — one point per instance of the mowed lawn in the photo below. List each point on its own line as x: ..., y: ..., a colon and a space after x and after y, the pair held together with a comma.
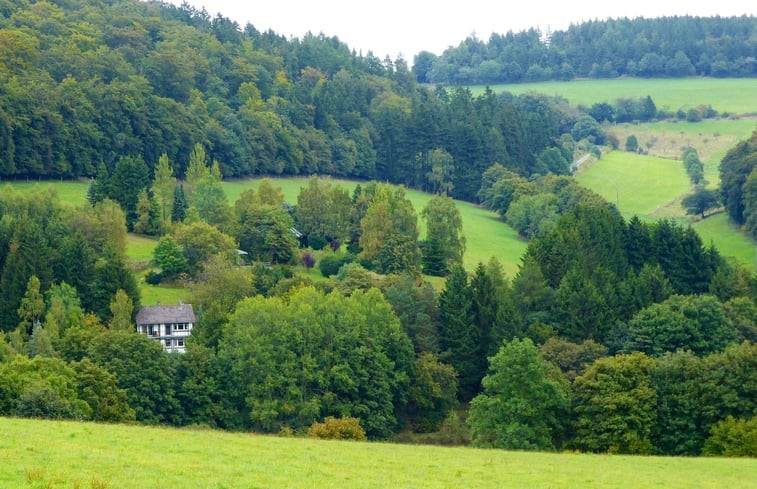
x: 55, y: 454
x: 636, y: 184
x: 486, y: 235
x: 733, y: 95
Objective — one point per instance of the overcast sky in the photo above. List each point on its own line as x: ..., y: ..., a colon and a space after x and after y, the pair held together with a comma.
x: 393, y: 27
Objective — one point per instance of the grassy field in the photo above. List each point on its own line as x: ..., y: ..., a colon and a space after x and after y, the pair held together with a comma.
x: 641, y: 185
x: 728, y: 239
x: 72, y: 192
x: 57, y: 455
x: 734, y: 95
x: 486, y: 235
x: 712, y: 139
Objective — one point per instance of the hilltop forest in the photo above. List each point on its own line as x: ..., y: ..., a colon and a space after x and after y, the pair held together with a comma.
x: 615, y: 335
x: 652, y: 48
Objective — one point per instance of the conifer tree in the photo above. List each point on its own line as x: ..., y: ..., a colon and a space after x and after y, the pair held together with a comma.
x: 179, y: 209
x: 458, y: 336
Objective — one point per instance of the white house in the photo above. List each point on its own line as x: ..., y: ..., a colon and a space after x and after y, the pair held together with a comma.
x: 171, y: 325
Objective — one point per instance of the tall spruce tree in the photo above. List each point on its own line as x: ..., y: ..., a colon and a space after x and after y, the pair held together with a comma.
x: 458, y: 335
x: 179, y: 209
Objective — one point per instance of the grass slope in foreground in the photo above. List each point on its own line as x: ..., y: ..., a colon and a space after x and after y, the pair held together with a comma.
x: 58, y: 454
x: 734, y: 95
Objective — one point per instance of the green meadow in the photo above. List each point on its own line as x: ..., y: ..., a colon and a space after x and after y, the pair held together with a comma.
x: 733, y: 95
x: 711, y: 138
x: 728, y: 239
x: 62, y: 455
x: 637, y: 184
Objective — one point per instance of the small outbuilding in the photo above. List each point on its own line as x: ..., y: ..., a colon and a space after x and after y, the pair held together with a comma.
x: 171, y: 325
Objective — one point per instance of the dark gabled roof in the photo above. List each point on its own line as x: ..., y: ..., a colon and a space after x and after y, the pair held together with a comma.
x: 183, y: 313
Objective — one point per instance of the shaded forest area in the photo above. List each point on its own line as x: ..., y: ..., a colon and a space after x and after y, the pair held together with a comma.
x: 651, y: 48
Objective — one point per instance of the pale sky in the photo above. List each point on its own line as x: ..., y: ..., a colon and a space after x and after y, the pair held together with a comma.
x: 393, y: 27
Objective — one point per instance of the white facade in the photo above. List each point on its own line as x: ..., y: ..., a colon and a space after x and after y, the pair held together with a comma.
x: 172, y: 336
x: 171, y: 325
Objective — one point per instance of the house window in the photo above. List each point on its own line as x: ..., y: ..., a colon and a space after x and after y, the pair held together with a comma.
x: 180, y: 327
x: 180, y: 343
x: 168, y: 343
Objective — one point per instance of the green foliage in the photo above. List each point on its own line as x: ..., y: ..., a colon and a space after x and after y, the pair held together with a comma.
x: 432, y: 395
x: 735, y: 169
x: 32, y: 306
x: 323, y: 210
x: 522, y: 405
x: 695, y: 323
x: 332, y: 428
x: 572, y: 358
x: 169, y: 256
x: 142, y: 369
x: 733, y: 438
x: 290, y: 363
x: 331, y: 262
x: 389, y: 236
x: 701, y: 201
x: 458, y: 335
x: 445, y: 242
x: 632, y: 143
x: 614, y: 404
x: 693, y: 165
x: 200, y: 241
x: 41, y: 388
x: 122, y: 311
x: 163, y: 185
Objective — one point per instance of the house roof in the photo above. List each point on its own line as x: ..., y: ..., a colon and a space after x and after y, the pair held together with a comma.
x: 183, y: 313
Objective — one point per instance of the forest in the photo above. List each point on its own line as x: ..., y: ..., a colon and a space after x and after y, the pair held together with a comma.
x: 615, y: 335
x: 651, y: 48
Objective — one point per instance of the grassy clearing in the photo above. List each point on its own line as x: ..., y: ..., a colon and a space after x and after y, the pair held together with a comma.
x: 734, y: 95
x: 67, y: 454
x: 637, y: 184
x: 712, y: 139
x: 728, y: 239
x: 486, y: 235
x: 140, y: 248
x: 70, y: 192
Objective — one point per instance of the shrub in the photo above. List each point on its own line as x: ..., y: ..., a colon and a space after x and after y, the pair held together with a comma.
x: 733, y: 438
x: 332, y: 428
x: 153, y: 278
x: 632, y: 144
x: 331, y: 262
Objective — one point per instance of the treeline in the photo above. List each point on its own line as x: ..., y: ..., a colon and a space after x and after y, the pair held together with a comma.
x: 89, y: 83
x: 738, y: 184
x: 663, y: 47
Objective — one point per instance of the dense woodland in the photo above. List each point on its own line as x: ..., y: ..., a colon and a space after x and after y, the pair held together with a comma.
x: 615, y: 335
x: 652, y: 48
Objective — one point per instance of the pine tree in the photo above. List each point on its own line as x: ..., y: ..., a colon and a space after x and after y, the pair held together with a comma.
x: 179, y: 210
x: 458, y: 336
